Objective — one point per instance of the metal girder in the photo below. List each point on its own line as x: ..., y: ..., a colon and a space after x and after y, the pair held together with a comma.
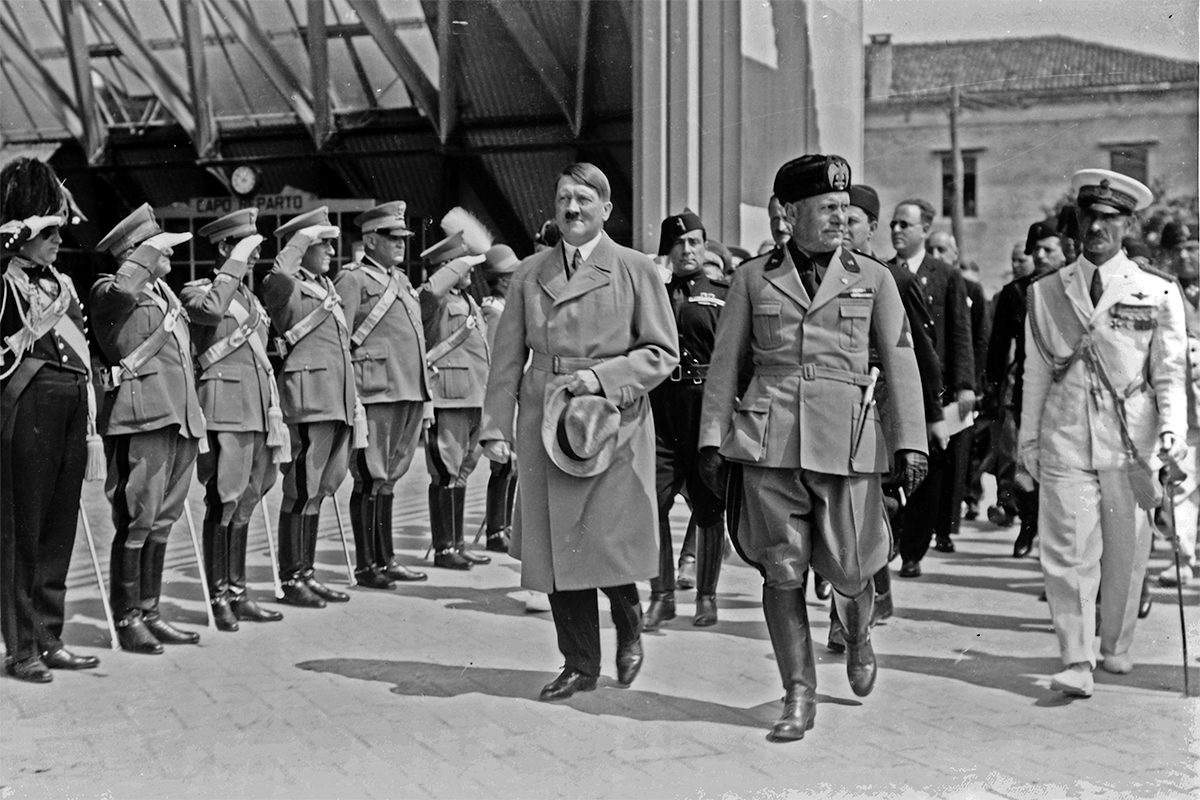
x: 206, y: 139
x: 529, y: 41
x: 447, y: 71
x: 512, y: 228
x: 423, y: 92
x: 60, y: 103
x: 318, y: 57
x: 585, y: 21
x: 237, y: 16
x: 95, y: 136
x: 142, y: 60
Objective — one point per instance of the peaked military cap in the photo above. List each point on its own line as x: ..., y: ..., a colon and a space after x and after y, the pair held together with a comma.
x: 677, y: 225
x: 318, y: 216
x: 1105, y: 190
x: 235, y: 225
x: 811, y: 175
x: 136, y: 228
x: 384, y: 217
x: 447, y: 249
x: 865, y: 198
x: 500, y: 260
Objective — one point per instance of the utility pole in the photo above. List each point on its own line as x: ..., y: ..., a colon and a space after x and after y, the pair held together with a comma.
x: 956, y: 206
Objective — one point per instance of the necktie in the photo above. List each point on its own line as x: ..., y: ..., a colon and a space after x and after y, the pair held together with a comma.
x: 1097, y: 288
x: 574, y: 266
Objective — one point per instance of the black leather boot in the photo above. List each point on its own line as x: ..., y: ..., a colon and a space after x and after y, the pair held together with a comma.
x: 132, y: 634
x: 687, y: 559
x: 1027, y: 508
x: 292, y: 548
x: 460, y: 503
x: 154, y: 555
x: 383, y: 531
x: 496, y: 517
x: 441, y: 529
x: 884, y: 607
x: 363, y: 518
x: 710, y: 542
x: 837, y: 634
x: 855, y: 613
x: 243, y: 605
x: 626, y: 609
x: 309, y: 525
x: 787, y: 623
x: 661, y: 609
x: 216, y: 568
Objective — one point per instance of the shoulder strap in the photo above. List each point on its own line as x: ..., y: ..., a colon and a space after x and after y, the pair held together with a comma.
x: 235, y: 339
x: 137, y: 358
x: 390, y: 293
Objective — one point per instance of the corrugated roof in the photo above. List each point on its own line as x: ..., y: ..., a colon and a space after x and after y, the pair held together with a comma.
x: 1036, y: 64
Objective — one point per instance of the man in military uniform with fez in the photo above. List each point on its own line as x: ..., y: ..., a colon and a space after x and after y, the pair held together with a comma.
x: 697, y: 301
x: 459, y: 356
x: 387, y: 347
x: 316, y: 390
x: 1104, y: 387
x: 804, y: 433
x: 246, y: 432
x: 151, y: 420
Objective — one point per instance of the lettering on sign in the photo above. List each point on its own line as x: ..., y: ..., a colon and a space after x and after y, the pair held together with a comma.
x: 268, y: 203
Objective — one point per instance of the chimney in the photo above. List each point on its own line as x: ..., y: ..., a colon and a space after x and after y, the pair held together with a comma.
x: 879, y: 66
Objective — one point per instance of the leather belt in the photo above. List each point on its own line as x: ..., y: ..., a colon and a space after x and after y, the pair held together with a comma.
x: 810, y: 372
x: 563, y: 365
x: 696, y: 373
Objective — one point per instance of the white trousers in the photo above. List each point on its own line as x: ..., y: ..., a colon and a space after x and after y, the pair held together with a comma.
x: 1187, y: 503
x: 1094, y: 539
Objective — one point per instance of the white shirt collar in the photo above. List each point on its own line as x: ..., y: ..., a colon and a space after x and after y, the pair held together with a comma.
x: 914, y: 263
x: 585, y: 249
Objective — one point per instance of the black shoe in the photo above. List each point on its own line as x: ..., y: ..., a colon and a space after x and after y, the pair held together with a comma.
x: 1145, y: 603
x: 62, y: 658
x: 1021, y: 547
x: 324, y: 592
x: 402, y: 574
x: 245, y: 609
x: 568, y: 682
x: 883, y: 609
x: 972, y: 511
x: 297, y: 593
x: 166, y: 633
x: 837, y: 637
x: 661, y: 609
x: 799, y: 715
x: 223, y: 615
x: 497, y: 541
x: 29, y: 669
x: 944, y: 545
x: 910, y: 569
x: 861, y: 667
x: 450, y: 559
x: 629, y: 661
x: 463, y: 552
x: 373, y: 579
x: 706, y: 610
x: 134, y: 636
x: 821, y: 587
x: 686, y: 577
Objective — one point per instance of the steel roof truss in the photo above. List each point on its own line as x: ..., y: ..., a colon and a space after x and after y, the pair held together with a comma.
x: 206, y: 138
x: 318, y: 57
x: 533, y: 46
x: 60, y: 103
x: 420, y: 88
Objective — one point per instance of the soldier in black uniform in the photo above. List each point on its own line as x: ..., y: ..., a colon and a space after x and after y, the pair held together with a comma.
x: 697, y: 301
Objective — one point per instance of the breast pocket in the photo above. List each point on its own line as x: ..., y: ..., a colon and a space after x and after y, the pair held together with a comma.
x: 304, y: 384
x: 768, y: 325
x: 220, y: 393
x: 370, y: 370
x: 854, y: 320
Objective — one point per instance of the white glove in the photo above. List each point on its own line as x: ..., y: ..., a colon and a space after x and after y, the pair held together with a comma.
x: 497, y: 450
x: 38, y: 224
x: 243, y: 250
x: 161, y: 241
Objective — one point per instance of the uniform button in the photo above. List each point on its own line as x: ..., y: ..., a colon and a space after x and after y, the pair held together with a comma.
x: 64, y: 359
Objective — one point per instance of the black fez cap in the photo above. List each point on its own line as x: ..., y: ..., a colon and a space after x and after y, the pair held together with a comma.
x: 865, y: 198
x: 677, y: 225
x: 1042, y: 229
x: 811, y: 175
x: 1068, y: 223
x: 1176, y: 233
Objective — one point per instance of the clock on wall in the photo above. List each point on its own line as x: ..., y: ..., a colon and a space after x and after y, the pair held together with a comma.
x: 244, y: 179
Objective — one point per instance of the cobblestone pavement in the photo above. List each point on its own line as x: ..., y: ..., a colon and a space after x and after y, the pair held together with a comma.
x: 429, y: 691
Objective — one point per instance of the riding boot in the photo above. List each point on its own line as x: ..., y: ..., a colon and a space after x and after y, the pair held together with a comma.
x: 837, y: 633
x: 496, y: 515
x: 884, y: 607
x: 660, y: 610
x: 126, y: 590
x: 460, y: 503
x: 787, y: 623
x: 292, y: 550
x: 389, y: 566
x: 687, y: 558
x: 855, y: 613
x: 710, y: 542
x: 1027, y: 508
x: 154, y: 556
x: 364, y: 519
x: 310, y: 524
x: 216, y: 565
x: 243, y: 605
x: 441, y: 529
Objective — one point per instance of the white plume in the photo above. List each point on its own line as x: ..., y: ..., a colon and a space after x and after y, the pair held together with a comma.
x: 475, y: 235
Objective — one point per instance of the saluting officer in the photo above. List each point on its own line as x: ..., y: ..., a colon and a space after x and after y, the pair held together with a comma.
x: 387, y: 345
x: 316, y: 389
x: 459, y: 355
x: 151, y: 420
x: 246, y: 433
x: 697, y: 301
x: 801, y: 321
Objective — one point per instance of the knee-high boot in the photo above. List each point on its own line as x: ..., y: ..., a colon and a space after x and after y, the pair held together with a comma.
x: 884, y: 606
x: 710, y: 543
x: 243, y: 605
x: 459, y: 493
x: 687, y: 558
x: 383, y: 532
x: 787, y: 622
x: 441, y: 529
x: 216, y: 566
x: 154, y: 555
x: 126, y: 591
x: 310, y: 524
x: 662, y: 585
x: 364, y: 519
x: 292, y: 555
x: 496, y: 513
x: 855, y: 613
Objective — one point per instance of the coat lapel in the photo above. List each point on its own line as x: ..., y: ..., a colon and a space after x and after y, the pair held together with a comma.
x: 1116, y: 287
x: 1077, y: 291
x: 786, y: 279
x: 838, y: 278
x: 550, y: 275
x: 593, y: 273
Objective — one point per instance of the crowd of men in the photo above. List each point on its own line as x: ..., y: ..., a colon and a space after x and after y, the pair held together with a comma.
x: 832, y: 409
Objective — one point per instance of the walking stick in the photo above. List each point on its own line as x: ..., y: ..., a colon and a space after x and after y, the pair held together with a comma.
x: 1171, y: 476
x: 191, y: 526
x: 337, y: 512
x: 108, y: 617
x: 271, y: 549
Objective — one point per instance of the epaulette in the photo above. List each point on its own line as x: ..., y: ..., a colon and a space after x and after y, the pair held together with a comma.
x: 1166, y: 276
x: 871, y: 256
x: 773, y: 258
x: 198, y: 282
x: 724, y: 284
x: 353, y: 265
x: 1032, y: 279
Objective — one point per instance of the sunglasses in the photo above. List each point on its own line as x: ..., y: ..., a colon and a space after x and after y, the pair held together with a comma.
x: 901, y: 224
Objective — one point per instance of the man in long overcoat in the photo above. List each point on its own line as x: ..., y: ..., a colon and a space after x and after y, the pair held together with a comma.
x: 594, y: 317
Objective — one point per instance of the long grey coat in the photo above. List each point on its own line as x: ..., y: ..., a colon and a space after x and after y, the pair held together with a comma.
x: 568, y: 532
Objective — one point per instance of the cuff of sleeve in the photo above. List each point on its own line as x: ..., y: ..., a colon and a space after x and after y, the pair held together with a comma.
x: 148, y: 258
x: 233, y: 269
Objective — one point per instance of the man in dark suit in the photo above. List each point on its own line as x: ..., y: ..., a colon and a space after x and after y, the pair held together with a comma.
x: 946, y: 296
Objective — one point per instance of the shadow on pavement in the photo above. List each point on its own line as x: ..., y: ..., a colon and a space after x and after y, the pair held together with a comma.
x: 965, y: 619
x: 422, y: 679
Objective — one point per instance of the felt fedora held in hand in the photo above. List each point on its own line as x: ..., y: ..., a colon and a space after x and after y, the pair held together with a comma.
x: 580, y: 433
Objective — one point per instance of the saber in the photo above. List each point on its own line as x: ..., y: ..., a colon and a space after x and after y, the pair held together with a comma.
x: 271, y: 549
x: 337, y: 512
x: 108, y: 617
x: 867, y: 399
x: 191, y: 526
